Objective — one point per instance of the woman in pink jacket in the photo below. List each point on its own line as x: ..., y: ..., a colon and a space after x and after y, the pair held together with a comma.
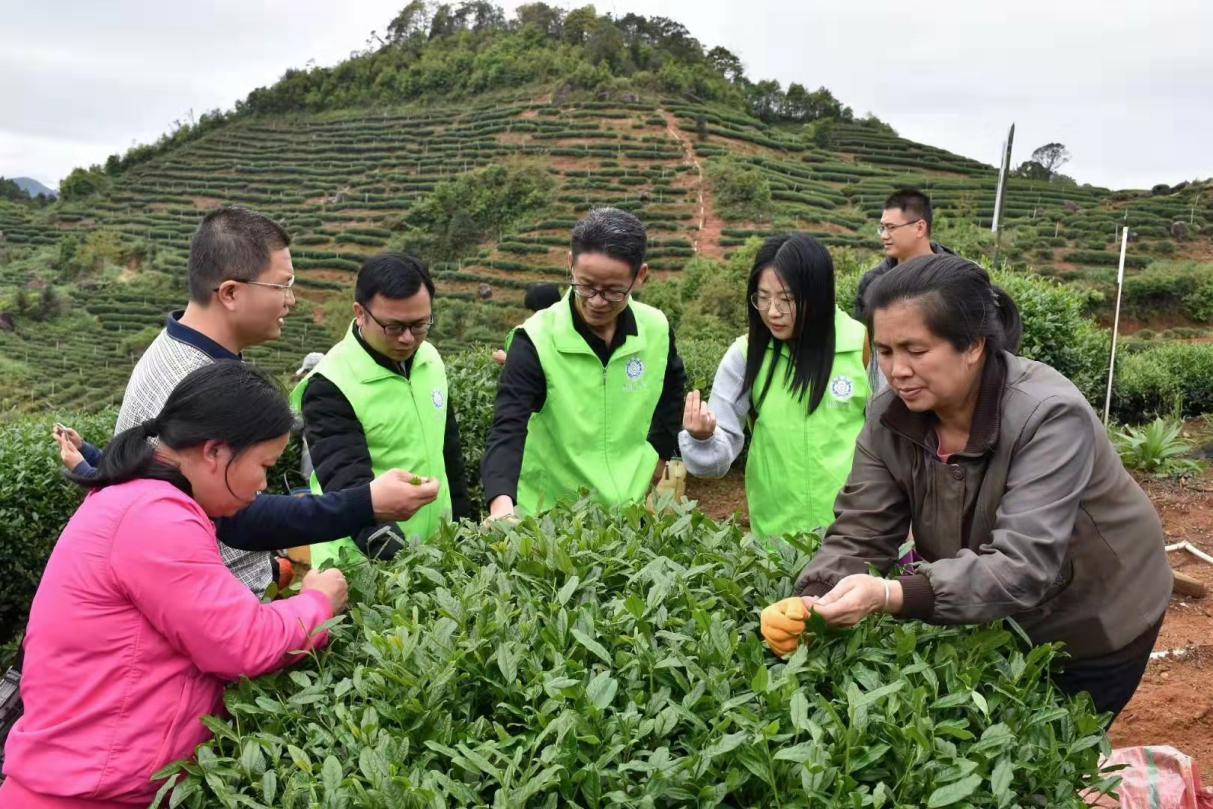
x: 137, y: 626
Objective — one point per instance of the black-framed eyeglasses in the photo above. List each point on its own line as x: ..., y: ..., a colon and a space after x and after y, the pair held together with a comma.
x: 883, y: 229
x: 394, y: 329
x: 763, y: 303
x: 587, y: 292
x: 287, y: 289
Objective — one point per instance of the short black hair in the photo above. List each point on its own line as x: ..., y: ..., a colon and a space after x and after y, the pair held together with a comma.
x: 614, y: 233
x: 394, y: 276
x: 540, y: 296
x: 913, y: 203
x: 231, y: 244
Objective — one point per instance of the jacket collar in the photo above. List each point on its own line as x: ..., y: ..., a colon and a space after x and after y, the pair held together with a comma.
x: 192, y: 337
x: 987, y: 416
x: 625, y: 328
x: 373, y: 365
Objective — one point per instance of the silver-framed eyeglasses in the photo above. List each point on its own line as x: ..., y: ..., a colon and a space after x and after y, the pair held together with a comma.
x: 763, y: 304
x: 882, y: 229
x: 287, y: 289
x: 394, y: 329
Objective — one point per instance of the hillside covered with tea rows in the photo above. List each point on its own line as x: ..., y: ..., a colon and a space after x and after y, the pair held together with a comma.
x: 484, y: 181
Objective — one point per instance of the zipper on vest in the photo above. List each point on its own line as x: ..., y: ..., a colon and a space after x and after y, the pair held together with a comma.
x: 425, y: 441
x: 606, y: 455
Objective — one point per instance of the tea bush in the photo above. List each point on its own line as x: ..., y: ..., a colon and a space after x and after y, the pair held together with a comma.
x: 35, y: 503
x: 595, y: 658
x: 1162, y: 380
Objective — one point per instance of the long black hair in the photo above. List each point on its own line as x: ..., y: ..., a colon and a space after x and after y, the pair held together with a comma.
x: 227, y: 401
x: 958, y: 301
x: 807, y: 271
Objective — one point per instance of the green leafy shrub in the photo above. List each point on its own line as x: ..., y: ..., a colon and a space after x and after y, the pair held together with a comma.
x: 742, y: 191
x: 702, y: 356
x: 1055, y: 330
x: 461, y: 213
x: 1163, y: 379
x: 35, y: 503
x: 1183, y: 288
x: 594, y: 658
x: 472, y: 379
x: 1156, y: 448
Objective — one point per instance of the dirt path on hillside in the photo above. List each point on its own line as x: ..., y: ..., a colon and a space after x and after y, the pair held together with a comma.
x: 706, y: 242
x: 1173, y: 705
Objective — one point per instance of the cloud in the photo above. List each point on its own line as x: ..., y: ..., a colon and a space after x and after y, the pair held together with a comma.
x: 1126, y: 85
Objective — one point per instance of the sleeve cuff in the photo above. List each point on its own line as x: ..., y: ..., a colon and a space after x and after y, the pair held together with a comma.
x: 361, y: 504
x: 493, y: 491
x: 917, y: 597
x: 815, y: 589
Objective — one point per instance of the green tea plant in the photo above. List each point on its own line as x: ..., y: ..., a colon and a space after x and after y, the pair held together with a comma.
x: 35, y: 503
x: 1164, y: 379
x: 610, y: 658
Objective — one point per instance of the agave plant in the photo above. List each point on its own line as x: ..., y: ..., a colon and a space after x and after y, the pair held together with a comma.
x: 1157, y: 448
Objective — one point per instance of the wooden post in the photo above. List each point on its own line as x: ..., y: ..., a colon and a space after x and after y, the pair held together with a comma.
x: 1000, y: 196
x: 1120, y: 285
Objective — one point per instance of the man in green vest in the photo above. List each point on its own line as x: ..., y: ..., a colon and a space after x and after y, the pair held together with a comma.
x: 591, y: 393
x: 379, y: 400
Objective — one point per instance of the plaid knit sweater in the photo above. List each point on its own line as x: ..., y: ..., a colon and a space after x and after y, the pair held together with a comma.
x: 175, y: 352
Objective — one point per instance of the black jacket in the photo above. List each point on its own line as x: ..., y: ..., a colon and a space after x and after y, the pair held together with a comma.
x: 522, y: 390
x: 341, y: 458
x: 869, y: 277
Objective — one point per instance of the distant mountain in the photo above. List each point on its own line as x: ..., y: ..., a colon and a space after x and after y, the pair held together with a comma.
x: 32, y: 187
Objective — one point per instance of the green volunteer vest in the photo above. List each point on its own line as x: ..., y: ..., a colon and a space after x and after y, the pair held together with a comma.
x: 593, y: 430
x: 798, y: 462
x: 404, y: 420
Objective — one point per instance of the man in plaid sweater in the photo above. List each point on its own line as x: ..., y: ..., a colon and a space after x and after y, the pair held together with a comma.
x: 241, y: 278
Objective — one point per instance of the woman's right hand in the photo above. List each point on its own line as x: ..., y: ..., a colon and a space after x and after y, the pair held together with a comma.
x: 697, y: 418
x: 331, y: 583
x: 783, y: 625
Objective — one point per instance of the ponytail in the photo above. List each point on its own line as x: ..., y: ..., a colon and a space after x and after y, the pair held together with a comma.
x: 228, y: 401
x: 1009, y: 319
x: 128, y: 456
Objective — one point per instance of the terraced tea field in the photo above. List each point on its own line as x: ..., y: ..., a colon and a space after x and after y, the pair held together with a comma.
x: 344, y: 184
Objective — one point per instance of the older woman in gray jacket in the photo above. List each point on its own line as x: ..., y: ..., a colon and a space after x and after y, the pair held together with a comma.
x: 1018, y: 502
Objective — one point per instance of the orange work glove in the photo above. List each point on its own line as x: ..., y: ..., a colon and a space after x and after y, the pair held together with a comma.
x: 783, y: 624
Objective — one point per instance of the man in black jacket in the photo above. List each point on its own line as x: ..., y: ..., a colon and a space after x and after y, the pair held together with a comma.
x: 905, y: 233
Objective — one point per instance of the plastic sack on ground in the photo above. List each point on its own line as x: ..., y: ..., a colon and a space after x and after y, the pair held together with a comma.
x: 1157, y: 778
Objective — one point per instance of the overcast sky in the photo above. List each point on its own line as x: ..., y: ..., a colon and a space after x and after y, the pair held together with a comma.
x: 1127, y: 85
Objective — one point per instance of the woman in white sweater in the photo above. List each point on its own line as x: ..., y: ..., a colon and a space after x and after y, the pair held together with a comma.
x: 797, y: 380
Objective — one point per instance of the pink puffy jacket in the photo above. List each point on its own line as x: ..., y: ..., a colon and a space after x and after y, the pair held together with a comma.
x: 136, y: 629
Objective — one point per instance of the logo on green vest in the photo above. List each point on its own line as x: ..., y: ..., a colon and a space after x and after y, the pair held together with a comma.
x: 635, y: 375
x: 842, y: 388
x: 438, y: 399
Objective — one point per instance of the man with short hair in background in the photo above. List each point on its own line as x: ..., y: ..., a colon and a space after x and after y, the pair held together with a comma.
x: 905, y: 233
